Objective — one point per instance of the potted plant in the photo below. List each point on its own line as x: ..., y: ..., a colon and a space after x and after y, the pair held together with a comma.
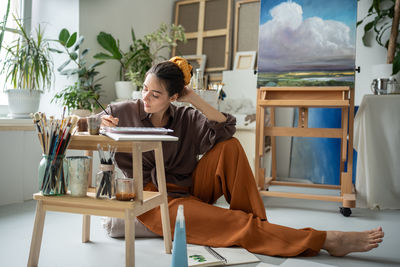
x: 28, y: 67
x: 385, y: 19
x: 142, y: 53
x: 85, y: 92
x: 123, y: 87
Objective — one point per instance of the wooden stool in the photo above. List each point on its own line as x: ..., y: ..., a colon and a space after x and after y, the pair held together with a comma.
x: 90, y: 205
x: 304, y: 98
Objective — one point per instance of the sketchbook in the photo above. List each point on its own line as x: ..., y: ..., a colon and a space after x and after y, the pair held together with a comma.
x: 200, y: 256
x: 140, y: 137
x: 138, y: 130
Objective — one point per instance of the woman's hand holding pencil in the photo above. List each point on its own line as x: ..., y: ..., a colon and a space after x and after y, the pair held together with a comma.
x: 109, y: 121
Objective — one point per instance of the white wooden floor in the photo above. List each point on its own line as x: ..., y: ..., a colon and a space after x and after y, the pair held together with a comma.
x: 62, y: 245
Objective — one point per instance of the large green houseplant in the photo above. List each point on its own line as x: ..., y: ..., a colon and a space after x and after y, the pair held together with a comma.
x: 142, y: 53
x: 150, y: 47
x: 28, y: 67
x: 382, y: 20
x: 86, y: 90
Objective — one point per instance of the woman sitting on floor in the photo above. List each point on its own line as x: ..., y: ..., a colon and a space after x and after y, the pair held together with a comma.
x: 223, y: 170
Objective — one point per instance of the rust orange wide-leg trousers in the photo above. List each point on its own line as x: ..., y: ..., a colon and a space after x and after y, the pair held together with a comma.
x: 224, y: 170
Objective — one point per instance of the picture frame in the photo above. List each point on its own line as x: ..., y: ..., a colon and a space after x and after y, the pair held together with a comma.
x: 244, y: 60
x: 197, y: 61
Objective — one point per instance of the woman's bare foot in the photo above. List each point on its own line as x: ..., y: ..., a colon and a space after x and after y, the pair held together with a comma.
x: 339, y: 243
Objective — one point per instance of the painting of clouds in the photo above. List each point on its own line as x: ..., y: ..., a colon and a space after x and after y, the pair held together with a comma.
x: 307, y: 42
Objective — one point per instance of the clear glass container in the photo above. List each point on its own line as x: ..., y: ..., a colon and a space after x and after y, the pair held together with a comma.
x: 52, y: 180
x: 199, y: 80
x: 105, y: 181
x: 125, y: 189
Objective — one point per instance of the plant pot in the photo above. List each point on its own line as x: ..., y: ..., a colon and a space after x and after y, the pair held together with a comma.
x: 137, y: 95
x: 81, y: 112
x: 22, y: 102
x: 124, y: 89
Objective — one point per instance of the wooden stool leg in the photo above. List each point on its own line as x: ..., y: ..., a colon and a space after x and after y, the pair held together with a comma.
x: 166, y: 227
x: 37, y: 235
x: 129, y: 238
x: 162, y: 187
x: 86, y: 229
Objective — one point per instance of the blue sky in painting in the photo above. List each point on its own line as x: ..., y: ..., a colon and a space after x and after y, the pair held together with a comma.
x: 341, y: 10
x: 306, y: 35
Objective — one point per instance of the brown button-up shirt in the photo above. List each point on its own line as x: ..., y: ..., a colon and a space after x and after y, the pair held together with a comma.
x: 196, y: 135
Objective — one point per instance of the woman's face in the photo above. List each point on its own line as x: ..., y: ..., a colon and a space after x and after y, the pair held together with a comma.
x: 155, y: 96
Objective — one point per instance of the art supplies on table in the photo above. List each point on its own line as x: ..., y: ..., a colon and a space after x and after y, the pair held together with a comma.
x: 54, y: 137
x: 208, y: 256
x: 105, y: 178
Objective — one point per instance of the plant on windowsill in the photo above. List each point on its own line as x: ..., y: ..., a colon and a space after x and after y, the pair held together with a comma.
x: 86, y: 90
x: 142, y: 53
x: 28, y: 67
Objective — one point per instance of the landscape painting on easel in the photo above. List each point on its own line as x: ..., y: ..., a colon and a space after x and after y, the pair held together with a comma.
x: 309, y: 43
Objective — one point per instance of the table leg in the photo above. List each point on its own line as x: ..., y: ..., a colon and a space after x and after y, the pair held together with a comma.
x: 166, y: 227
x: 129, y: 238
x: 162, y: 187
x: 37, y: 235
x: 86, y: 229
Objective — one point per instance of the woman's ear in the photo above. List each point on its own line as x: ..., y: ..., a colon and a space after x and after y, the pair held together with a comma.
x: 174, y: 97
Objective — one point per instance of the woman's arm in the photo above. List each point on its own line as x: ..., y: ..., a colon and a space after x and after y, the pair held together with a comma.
x: 189, y: 96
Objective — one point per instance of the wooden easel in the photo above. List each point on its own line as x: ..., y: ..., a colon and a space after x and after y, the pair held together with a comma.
x: 304, y: 98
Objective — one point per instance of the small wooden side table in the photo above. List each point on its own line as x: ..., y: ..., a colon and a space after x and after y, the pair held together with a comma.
x: 90, y: 205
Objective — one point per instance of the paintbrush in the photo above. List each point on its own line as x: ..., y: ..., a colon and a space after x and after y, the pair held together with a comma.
x: 39, y: 132
x: 95, y: 99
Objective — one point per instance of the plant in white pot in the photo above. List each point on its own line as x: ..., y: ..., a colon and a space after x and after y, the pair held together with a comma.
x: 28, y: 67
x: 142, y: 52
x: 123, y: 87
x: 382, y: 19
x: 86, y: 91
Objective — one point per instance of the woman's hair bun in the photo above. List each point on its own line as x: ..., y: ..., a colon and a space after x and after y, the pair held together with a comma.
x: 185, y: 67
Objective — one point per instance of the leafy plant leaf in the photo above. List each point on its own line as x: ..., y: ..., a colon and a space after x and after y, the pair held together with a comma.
x: 94, y: 65
x: 78, y: 43
x: 64, y: 65
x: 55, y: 50
x: 396, y: 63
x: 63, y: 36
x: 108, y: 42
x: 103, y: 56
x: 73, y: 55
x: 71, y: 40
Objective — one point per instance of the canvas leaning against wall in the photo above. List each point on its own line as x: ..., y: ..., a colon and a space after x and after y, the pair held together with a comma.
x: 309, y: 43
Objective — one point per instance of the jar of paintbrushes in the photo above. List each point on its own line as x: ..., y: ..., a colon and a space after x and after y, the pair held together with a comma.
x: 105, y: 178
x: 54, y: 137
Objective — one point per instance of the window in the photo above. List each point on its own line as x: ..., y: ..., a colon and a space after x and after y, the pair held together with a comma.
x: 9, y: 37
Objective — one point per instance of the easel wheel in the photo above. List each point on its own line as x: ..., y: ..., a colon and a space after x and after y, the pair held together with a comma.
x: 346, y: 212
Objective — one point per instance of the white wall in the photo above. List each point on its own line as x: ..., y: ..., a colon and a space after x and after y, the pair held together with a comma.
x: 55, y: 15
x: 19, y: 159
x: 88, y: 18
